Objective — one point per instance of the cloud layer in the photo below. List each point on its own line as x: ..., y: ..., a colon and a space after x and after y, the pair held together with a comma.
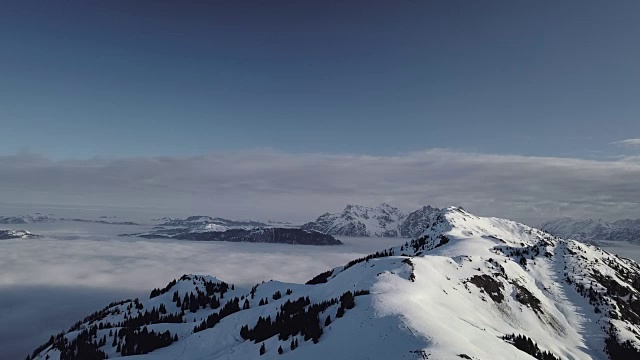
x: 631, y: 143
x: 299, y: 187
x: 82, y: 269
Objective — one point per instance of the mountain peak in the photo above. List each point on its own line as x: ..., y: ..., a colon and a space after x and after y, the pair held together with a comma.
x: 383, y: 220
x: 358, y: 220
x: 386, y: 206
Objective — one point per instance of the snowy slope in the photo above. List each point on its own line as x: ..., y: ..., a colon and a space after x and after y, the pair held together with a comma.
x: 16, y: 234
x: 593, y: 230
x: 469, y: 288
x: 356, y: 220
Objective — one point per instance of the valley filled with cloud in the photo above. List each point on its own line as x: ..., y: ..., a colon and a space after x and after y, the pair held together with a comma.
x: 49, y: 283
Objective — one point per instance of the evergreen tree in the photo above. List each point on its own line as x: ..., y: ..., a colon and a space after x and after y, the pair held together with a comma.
x: 263, y: 349
x: 327, y: 322
x: 280, y: 351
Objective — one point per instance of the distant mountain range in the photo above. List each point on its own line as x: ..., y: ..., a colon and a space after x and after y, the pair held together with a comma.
x: 41, y: 218
x: 383, y: 220
x: 254, y: 235
x: 26, y: 219
x: 204, y: 221
x: 594, y: 230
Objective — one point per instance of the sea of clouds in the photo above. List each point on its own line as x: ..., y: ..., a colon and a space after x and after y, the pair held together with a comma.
x: 49, y: 283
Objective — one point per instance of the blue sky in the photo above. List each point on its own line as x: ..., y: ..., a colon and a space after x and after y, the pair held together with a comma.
x: 83, y: 79
x: 286, y: 110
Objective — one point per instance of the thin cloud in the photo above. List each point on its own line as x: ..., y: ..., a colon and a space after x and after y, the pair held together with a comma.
x: 299, y: 187
x: 632, y: 143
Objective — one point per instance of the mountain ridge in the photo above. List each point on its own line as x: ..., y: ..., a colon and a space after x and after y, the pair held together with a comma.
x: 594, y: 230
x: 383, y: 220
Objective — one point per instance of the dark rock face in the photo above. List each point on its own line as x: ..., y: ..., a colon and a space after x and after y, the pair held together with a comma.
x: 258, y: 235
x: 491, y: 287
x: 416, y: 222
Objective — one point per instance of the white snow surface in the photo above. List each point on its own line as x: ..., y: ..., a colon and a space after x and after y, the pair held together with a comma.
x: 427, y: 301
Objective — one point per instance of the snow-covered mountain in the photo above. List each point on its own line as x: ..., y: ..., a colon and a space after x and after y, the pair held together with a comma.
x: 469, y: 288
x: 26, y: 219
x: 16, y: 234
x: 208, y: 222
x: 357, y: 220
x: 382, y: 220
x: 594, y: 230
